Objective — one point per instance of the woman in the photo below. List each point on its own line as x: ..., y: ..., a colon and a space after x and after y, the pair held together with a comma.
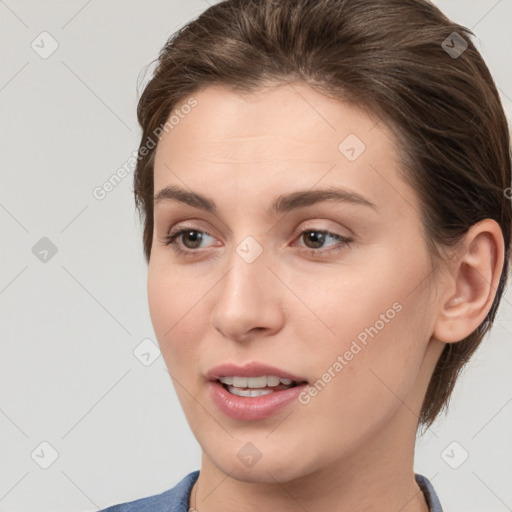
x: 325, y: 187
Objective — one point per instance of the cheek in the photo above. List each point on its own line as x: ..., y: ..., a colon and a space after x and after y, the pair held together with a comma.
x: 174, y: 314
x: 377, y: 319
x: 355, y: 303
x: 162, y: 302
x: 177, y: 311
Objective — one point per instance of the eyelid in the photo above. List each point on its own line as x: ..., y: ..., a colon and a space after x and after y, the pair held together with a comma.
x: 177, y: 232
x: 299, y: 230
x: 313, y: 226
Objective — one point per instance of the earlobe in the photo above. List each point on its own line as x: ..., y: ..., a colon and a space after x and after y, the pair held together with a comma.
x: 472, y: 284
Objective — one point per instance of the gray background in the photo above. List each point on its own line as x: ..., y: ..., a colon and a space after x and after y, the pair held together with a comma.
x: 70, y: 324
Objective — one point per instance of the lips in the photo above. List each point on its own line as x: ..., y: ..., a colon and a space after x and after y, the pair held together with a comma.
x: 246, y: 404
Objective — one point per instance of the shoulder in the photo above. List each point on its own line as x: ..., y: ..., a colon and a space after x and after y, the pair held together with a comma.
x: 429, y: 492
x: 173, y: 500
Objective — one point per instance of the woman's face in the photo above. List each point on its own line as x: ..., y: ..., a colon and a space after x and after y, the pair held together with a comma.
x: 268, y: 278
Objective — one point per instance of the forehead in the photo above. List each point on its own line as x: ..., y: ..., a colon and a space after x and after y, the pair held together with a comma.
x: 280, y: 137
x: 278, y: 119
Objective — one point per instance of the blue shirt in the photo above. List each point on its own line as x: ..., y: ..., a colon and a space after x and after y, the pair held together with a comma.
x: 177, y: 498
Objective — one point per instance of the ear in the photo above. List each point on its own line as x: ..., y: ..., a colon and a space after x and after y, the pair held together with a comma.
x: 472, y: 282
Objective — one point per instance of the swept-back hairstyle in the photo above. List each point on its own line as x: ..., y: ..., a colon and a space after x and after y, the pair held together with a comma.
x: 398, y: 59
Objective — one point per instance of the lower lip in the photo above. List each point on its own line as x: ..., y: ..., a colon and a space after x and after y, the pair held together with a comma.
x: 252, y: 408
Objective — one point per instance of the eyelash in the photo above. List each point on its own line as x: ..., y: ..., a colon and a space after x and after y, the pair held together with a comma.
x: 344, y: 242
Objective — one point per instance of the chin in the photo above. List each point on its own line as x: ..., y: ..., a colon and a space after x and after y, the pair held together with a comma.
x: 260, y: 473
x: 273, y: 466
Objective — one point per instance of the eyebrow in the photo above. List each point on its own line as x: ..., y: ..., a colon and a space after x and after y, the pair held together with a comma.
x: 284, y: 203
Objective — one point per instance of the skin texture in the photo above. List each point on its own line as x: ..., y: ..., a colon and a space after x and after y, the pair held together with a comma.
x: 352, y: 446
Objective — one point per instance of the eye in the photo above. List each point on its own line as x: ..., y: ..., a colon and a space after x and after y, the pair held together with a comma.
x: 194, y: 235
x: 317, y: 238
x: 192, y: 238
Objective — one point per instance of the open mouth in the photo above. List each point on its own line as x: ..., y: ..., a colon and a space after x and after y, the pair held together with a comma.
x: 256, y: 386
x: 259, y: 394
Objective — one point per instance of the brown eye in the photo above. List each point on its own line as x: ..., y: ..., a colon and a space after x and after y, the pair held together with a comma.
x: 194, y: 236
x: 190, y: 239
x: 314, y: 241
x: 316, y: 238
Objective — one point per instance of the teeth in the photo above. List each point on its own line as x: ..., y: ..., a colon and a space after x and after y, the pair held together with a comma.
x: 255, y: 382
x: 248, y: 392
x: 272, y: 380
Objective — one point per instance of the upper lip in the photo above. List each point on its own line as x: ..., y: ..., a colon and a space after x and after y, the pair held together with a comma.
x: 250, y: 369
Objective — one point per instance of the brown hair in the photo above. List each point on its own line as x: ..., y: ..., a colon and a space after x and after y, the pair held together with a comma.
x: 390, y: 57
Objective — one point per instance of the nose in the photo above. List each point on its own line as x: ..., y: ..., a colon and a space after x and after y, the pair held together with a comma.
x: 249, y: 300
